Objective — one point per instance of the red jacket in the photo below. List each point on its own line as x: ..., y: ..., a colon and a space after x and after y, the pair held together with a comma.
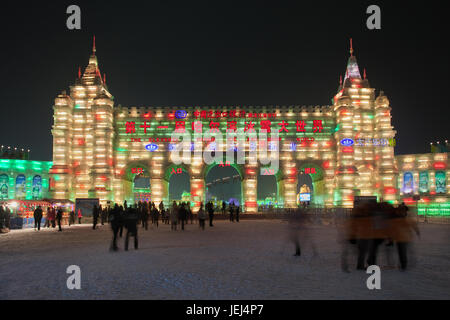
x: 51, y: 215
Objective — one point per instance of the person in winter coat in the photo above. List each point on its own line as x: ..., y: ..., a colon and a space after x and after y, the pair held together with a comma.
x: 165, y: 216
x: 174, y: 216
x: 401, y: 232
x: 71, y: 218
x: 371, y: 228
x: 2, y: 217
x: 47, y: 218
x: 145, y: 215
x: 189, y: 212
x: 201, y: 216
x: 96, y: 213
x: 7, y: 218
x: 37, y: 218
x: 79, y: 216
x: 210, y: 209
x: 155, y: 215
x: 379, y: 214
x: 231, y: 211
x: 116, y: 220
x: 103, y: 215
x: 52, y: 217
x: 59, y: 216
x: 224, y: 207
x: 131, y: 222
x: 182, y: 215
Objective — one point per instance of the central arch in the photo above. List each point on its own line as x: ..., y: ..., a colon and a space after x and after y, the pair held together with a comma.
x: 179, y: 183
x: 224, y: 183
x: 268, y: 188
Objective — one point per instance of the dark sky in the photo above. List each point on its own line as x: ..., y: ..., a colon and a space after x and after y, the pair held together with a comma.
x: 224, y: 53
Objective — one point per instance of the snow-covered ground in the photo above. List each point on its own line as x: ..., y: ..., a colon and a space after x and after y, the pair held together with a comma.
x: 249, y: 260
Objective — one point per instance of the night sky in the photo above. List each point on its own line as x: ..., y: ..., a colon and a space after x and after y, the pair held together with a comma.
x: 224, y: 53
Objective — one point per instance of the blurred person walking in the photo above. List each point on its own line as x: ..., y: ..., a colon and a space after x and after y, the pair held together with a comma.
x: 379, y: 229
x: 59, y: 216
x: 231, y: 211
x: 155, y: 215
x: 47, y: 218
x: 145, y: 215
x: 115, y: 220
x: 95, y: 214
x: 37, y: 218
x: 2, y: 217
x: 189, y: 212
x: 71, y: 217
x: 174, y: 216
x: 182, y: 215
x: 347, y: 238
x: 210, y: 209
x: 52, y: 217
x: 224, y: 207
x: 79, y: 216
x: 103, y: 215
x: 402, y: 228
x: 201, y: 217
x: 122, y: 214
x: 131, y: 222
x: 299, y: 232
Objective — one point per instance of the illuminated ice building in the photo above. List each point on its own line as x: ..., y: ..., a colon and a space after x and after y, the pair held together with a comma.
x: 101, y: 150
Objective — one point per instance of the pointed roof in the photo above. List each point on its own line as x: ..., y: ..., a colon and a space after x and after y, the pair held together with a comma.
x: 92, y: 73
x: 352, y: 71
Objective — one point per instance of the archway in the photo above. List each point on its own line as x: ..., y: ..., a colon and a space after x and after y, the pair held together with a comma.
x: 136, y: 183
x: 4, y: 186
x: 21, y: 189
x: 310, y: 180
x: 224, y: 183
x: 268, y: 189
x: 179, y: 187
x: 177, y: 182
x: 37, y: 188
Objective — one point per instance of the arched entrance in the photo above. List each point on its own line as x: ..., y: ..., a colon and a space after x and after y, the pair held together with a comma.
x: 310, y: 185
x: 179, y: 185
x: 268, y: 189
x: 136, y: 183
x: 224, y: 183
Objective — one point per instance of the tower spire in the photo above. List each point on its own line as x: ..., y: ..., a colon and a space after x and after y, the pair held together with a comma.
x: 352, y: 66
x: 93, y: 47
x: 351, y: 47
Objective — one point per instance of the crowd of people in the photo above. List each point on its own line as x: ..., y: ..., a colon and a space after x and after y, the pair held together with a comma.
x: 130, y: 217
x: 5, y: 215
x: 374, y: 224
x: 370, y: 226
x: 54, y: 217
